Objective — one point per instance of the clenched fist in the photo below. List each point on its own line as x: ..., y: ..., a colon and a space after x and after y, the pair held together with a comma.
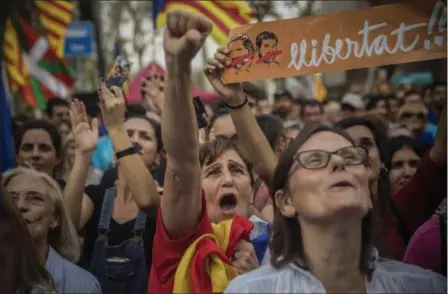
x: 184, y: 35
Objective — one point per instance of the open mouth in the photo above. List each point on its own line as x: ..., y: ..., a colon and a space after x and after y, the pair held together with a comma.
x: 228, y: 202
x: 342, y: 184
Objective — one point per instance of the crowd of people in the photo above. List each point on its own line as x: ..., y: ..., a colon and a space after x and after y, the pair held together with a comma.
x: 298, y: 196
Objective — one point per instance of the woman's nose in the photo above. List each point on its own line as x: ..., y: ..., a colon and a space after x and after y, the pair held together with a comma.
x: 135, y: 139
x: 21, y: 204
x: 336, y: 163
x: 227, y: 179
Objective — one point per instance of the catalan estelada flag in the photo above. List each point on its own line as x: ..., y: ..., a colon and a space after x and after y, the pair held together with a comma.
x: 225, y: 15
x: 55, y: 17
x: 205, y: 266
x: 33, y: 67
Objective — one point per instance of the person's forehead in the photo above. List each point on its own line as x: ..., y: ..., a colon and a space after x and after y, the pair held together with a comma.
x: 359, y: 132
x: 60, y: 107
x: 138, y: 124
x: 25, y: 182
x: 228, y: 157
x: 312, y: 108
x: 405, y: 152
x: 223, y: 120
x: 325, y: 140
x: 36, y: 136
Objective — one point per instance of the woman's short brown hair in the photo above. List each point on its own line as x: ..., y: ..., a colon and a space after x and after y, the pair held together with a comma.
x: 212, y: 150
x: 286, y: 243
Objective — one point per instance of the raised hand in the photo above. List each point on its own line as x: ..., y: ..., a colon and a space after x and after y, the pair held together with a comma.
x: 184, y: 35
x: 213, y: 70
x: 153, y: 92
x: 113, y: 106
x: 86, y: 136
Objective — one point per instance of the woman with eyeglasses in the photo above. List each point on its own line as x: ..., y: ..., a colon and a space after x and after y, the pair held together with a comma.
x: 321, y: 236
x: 401, y: 211
x: 41, y: 204
x: 21, y: 271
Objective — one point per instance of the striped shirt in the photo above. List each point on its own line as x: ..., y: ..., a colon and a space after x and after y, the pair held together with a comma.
x: 68, y: 277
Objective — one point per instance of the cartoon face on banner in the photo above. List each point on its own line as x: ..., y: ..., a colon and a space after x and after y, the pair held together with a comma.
x: 267, y: 43
x: 382, y: 35
x: 241, y: 52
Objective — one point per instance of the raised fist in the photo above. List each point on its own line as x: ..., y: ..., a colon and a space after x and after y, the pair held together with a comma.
x: 184, y: 35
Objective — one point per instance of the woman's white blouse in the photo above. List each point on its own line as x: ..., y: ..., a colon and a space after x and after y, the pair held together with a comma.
x: 389, y: 276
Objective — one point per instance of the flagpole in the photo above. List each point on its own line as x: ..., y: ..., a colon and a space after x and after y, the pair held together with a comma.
x: 99, y: 51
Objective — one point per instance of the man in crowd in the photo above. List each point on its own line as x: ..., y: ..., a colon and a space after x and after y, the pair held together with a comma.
x: 312, y: 112
x: 57, y: 110
x: 352, y: 105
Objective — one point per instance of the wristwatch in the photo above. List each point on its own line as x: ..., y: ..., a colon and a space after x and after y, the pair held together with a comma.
x: 128, y: 151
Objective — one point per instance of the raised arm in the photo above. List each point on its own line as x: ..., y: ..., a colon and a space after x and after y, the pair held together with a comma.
x: 86, y: 137
x: 249, y: 132
x: 184, y: 36
x: 137, y: 176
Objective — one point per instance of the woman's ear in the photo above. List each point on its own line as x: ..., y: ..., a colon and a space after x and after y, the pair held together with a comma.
x: 284, y: 203
x: 54, y: 224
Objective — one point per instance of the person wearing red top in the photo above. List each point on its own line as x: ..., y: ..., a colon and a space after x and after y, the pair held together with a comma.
x: 218, y: 170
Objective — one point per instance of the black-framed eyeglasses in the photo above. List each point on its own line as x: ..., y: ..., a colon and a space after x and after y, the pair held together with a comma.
x: 316, y: 159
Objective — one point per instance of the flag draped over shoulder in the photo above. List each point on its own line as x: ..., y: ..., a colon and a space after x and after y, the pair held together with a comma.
x: 55, y: 17
x: 225, y: 15
x: 34, y: 69
x: 205, y: 266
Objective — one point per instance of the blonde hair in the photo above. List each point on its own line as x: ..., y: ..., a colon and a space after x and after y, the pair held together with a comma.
x: 64, y: 238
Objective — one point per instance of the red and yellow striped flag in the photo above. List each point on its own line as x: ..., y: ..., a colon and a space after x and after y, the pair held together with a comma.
x: 55, y: 17
x: 225, y: 15
x: 12, y: 54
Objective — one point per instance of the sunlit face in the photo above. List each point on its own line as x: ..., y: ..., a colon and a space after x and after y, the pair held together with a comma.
x: 333, y: 112
x: 141, y: 132
x: 60, y: 113
x: 264, y: 107
x: 30, y: 194
x: 403, y: 167
x: 268, y: 46
x: 363, y: 137
x: 413, y: 116
x: 337, y: 190
x: 37, y: 150
x: 237, y: 49
x: 227, y: 187
x: 312, y: 114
